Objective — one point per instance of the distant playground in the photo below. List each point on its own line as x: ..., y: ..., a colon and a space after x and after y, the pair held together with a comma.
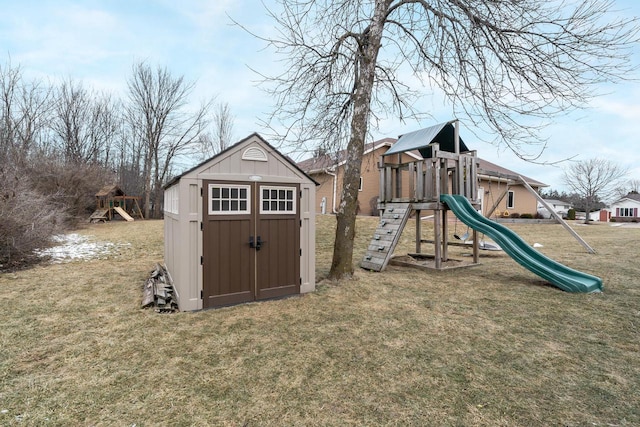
x: 112, y: 202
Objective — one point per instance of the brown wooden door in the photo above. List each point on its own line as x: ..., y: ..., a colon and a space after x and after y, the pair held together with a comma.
x: 251, y: 242
x: 278, y: 226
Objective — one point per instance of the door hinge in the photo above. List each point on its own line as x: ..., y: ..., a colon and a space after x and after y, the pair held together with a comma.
x: 300, y: 223
x: 300, y: 251
x: 201, y: 294
x: 301, y: 194
x: 201, y: 260
x: 201, y: 226
x: 201, y: 191
x: 301, y: 280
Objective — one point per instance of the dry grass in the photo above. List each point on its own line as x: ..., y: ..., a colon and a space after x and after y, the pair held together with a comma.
x: 491, y: 345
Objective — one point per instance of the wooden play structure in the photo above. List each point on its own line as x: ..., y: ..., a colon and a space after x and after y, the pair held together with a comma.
x: 447, y: 179
x: 447, y: 167
x: 111, y: 200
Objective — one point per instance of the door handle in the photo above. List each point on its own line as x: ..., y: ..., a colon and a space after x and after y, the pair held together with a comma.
x: 257, y: 244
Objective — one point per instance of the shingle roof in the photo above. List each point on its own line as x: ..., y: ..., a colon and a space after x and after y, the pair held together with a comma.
x: 633, y: 196
x: 487, y: 165
x: 326, y: 161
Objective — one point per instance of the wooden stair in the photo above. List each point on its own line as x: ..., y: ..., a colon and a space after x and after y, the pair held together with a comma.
x: 386, y: 236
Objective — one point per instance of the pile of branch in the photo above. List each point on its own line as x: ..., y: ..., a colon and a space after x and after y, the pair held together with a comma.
x: 158, y: 291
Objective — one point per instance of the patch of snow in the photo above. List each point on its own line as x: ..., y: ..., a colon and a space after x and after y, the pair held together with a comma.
x: 77, y: 247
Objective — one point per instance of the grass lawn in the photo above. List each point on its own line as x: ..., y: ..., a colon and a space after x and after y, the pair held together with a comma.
x: 490, y: 345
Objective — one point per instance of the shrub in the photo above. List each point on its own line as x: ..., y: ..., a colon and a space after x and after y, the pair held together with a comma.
x: 526, y: 216
x: 571, y: 214
x: 538, y: 216
x: 28, y: 218
x: 72, y: 185
x: 514, y: 215
x: 612, y: 220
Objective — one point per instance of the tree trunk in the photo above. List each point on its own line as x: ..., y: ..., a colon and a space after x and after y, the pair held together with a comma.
x: 342, y: 263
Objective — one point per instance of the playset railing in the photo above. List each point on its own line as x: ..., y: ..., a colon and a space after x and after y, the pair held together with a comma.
x: 423, y: 181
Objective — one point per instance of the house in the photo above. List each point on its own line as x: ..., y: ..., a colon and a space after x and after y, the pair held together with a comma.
x: 560, y: 207
x: 495, y: 182
x: 626, y: 209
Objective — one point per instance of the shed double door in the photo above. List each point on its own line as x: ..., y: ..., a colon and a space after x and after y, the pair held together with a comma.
x: 251, y: 242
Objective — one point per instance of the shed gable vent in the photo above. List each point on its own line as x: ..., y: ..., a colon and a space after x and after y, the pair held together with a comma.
x: 254, y: 153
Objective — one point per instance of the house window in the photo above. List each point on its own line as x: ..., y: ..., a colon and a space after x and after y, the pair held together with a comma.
x: 511, y: 200
x: 278, y: 200
x: 229, y: 199
x: 627, y: 212
x: 360, y: 185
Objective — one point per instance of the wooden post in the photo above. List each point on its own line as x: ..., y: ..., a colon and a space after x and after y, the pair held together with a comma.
x: 445, y: 235
x: 437, y: 238
x: 382, y: 197
x: 476, y: 254
x: 444, y: 178
x: 418, y: 233
x: 456, y: 137
x: 412, y: 186
x: 419, y: 181
x: 436, y: 180
x: 388, y: 187
x: 399, y: 177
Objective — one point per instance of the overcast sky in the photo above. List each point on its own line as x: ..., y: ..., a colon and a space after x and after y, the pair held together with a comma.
x: 97, y: 42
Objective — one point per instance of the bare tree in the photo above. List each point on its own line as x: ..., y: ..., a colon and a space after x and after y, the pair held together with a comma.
x: 24, y: 115
x: 222, y: 127
x: 500, y: 64
x: 71, y: 123
x: 221, y: 134
x: 594, y: 180
x: 630, y: 186
x: 158, y: 109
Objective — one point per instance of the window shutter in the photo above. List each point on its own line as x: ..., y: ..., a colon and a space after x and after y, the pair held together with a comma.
x: 635, y: 212
x: 617, y: 211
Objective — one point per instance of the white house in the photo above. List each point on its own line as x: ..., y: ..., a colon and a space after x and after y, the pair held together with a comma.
x: 559, y: 206
x: 626, y: 209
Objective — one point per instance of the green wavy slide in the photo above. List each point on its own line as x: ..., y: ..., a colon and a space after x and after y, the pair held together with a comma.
x: 557, y: 274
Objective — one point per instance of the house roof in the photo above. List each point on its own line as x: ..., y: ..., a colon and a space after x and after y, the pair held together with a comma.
x: 557, y: 202
x: 327, y: 162
x: 631, y: 196
x: 502, y: 172
x: 443, y: 134
x: 233, y: 147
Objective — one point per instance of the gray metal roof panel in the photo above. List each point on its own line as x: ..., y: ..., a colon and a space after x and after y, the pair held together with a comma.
x: 442, y: 133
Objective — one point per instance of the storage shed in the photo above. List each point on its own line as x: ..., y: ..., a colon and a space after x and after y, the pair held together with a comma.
x: 240, y: 227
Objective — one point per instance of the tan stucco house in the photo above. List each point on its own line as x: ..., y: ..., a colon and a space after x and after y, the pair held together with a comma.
x: 328, y: 171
